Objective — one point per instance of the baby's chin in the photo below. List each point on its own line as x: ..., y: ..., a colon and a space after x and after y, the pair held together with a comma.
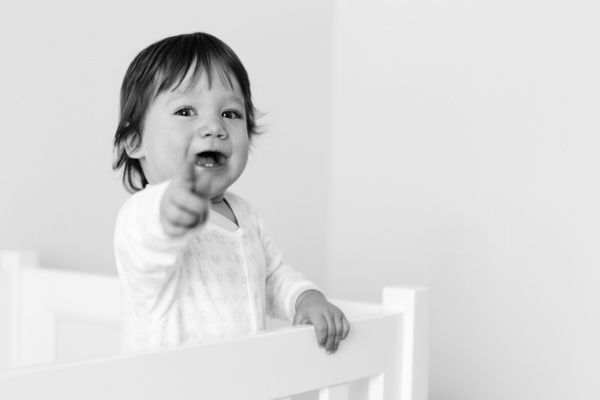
x: 219, y: 191
x: 218, y: 198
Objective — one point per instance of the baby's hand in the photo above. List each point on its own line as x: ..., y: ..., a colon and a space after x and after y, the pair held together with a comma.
x: 329, y: 321
x: 186, y: 202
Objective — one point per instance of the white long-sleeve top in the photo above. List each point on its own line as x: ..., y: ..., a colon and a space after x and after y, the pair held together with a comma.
x: 218, y: 280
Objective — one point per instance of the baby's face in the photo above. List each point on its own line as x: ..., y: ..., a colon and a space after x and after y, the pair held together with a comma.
x: 207, y: 124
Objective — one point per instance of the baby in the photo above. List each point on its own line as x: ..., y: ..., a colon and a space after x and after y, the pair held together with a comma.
x: 193, y: 259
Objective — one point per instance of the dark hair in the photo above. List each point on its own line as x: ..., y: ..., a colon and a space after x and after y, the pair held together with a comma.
x: 162, y: 66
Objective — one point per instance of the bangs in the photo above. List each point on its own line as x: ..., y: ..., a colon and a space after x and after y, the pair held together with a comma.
x: 198, y: 57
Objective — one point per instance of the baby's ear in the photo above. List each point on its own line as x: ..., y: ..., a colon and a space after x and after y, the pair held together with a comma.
x: 133, y: 145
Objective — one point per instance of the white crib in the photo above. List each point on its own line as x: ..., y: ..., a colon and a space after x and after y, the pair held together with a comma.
x: 64, y: 331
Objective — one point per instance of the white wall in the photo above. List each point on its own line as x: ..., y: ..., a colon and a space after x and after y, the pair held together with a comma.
x: 466, y: 158
x: 62, y: 66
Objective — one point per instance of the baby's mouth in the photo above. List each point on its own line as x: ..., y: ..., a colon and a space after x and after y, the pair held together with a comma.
x: 210, y: 159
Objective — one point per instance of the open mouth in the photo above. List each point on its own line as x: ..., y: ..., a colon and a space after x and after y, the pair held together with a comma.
x: 210, y: 159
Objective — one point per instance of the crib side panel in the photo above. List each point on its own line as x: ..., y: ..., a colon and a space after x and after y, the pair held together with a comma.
x: 68, y: 316
x: 58, y: 316
x: 65, y: 316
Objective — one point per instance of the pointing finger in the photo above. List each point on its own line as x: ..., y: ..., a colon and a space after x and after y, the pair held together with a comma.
x: 193, y: 180
x: 187, y: 176
x: 202, y: 185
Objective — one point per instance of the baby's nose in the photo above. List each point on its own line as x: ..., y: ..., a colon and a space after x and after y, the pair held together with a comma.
x: 212, y: 129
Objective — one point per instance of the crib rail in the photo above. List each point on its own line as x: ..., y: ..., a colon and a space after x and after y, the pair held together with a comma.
x: 384, y: 357
x: 271, y: 365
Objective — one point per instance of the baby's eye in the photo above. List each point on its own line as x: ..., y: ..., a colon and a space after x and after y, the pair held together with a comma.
x: 185, y: 111
x: 231, y: 114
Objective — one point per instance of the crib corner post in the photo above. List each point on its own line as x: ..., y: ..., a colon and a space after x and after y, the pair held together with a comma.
x: 12, y: 264
x: 13, y: 260
x: 413, y: 303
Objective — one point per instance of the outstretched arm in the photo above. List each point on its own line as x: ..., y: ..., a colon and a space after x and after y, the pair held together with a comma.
x: 155, y: 224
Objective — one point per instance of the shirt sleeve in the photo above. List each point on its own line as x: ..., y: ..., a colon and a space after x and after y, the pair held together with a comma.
x: 146, y: 256
x: 283, y: 284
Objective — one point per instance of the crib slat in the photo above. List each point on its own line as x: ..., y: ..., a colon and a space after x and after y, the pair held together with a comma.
x: 359, y: 390
x: 337, y: 392
x: 376, y: 387
x: 14, y: 263
x: 366, y: 389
